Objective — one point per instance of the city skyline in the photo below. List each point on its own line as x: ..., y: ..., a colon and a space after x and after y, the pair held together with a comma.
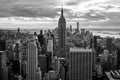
x: 40, y: 14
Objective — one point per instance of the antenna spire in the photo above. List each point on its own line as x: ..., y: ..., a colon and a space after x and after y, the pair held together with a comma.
x: 62, y: 10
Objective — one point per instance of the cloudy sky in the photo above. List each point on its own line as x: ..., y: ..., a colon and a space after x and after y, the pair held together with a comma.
x: 45, y: 13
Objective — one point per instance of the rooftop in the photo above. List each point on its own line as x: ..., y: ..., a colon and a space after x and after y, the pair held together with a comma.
x: 80, y: 50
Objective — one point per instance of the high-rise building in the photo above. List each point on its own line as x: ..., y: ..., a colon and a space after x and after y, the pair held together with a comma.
x: 3, y: 66
x: 95, y: 43
x: 78, y: 26
x: 2, y: 45
x: 32, y: 53
x: 71, y: 28
x: 42, y: 62
x: 82, y: 31
x: 41, y: 38
x: 18, y: 33
x: 49, y: 59
x: 50, y: 49
x: 109, y: 44
x: 118, y: 58
x: 80, y: 64
x: 50, y: 45
x: 62, y: 35
x: 16, y: 67
x: 16, y: 50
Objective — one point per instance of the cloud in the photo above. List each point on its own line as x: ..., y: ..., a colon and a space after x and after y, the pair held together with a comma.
x: 95, y: 12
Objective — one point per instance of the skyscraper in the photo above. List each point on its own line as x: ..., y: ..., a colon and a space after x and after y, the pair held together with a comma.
x: 18, y: 32
x: 80, y: 64
x: 109, y: 44
x: 118, y: 58
x: 62, y: 35
x: 78, y: 26
x: 71, y: 28
x: 41, y: 38
x: 2, y: 45
x: 3, y: 66
x: 42, y: 62
x: 31, y: 61
x: 95, y: 43
x: 16, y: 50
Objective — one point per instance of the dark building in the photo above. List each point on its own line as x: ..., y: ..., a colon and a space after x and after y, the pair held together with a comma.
x: 18, y: 33
x: 49, y: 60
x: 2, y: 45
x: 41, y: 38
x: 71, y: 28
x: 109, y: 44
x: 42, y: 63
x: 16, y: 67
x: 118, y: 58
x: 95, y: 43
x: 16, y: 50
x: 77, y: 26
x: 62, y: 35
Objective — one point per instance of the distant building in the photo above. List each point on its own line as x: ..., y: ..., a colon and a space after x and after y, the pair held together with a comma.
x: 109, y: 44
x: 18, y: 33
x: 70, y: 28
x: 50, y: 45
x: 50, y: 48
x: 118, y: 58
x: 82, y: 31
x: 95, y: 43
x: 2, y: 45
x: 41, y: 38
x: 80, y: 64
x: 78, y: 26
x: 16, y: 67
x: 16, y: 51
x: 62, y: 35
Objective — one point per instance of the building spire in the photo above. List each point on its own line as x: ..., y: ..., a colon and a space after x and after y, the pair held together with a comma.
x: 62, y: 10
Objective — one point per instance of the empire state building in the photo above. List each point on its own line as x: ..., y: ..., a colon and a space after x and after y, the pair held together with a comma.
x: 62, y: 35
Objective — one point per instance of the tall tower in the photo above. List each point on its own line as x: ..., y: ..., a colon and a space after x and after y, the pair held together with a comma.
x: 78, y: 26
x: 109, y: 44
x: 71, y: 28
x: 62, y: 35
x: 80, y: 64
x: 31, y: 61
x: 18, y: 32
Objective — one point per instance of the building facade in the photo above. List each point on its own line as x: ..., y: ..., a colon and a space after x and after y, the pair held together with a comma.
x: 31, y: 61
x: 80, y: 64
